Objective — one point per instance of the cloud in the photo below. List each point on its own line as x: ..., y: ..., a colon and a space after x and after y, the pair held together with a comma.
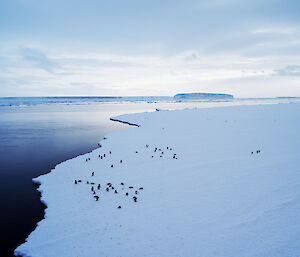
x: 38, y: 59
x: 276, y: 30
x: 291, y: 70
x: 97, y: 73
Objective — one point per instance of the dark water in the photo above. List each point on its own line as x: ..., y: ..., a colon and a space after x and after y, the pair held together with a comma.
x: 33, y: 139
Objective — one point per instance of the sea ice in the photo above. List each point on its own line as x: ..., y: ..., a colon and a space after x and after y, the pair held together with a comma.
x: 208, y: 182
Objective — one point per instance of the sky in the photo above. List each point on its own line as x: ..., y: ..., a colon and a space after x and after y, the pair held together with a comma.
x: 149, y: 47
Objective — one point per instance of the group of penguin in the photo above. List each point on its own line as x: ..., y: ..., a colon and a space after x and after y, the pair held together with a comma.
x: 110, y: 187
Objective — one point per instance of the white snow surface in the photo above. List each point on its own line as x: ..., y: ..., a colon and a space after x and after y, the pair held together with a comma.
x: 215, y: 199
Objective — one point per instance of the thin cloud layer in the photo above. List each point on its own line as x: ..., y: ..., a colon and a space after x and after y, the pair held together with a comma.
x: 149, y: 47
x: 113, y: 74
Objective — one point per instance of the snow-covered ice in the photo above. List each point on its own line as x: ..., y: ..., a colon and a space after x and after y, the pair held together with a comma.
x: 207, y: 194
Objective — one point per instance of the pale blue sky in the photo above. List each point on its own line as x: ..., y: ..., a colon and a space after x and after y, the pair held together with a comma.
x: 141, y: 47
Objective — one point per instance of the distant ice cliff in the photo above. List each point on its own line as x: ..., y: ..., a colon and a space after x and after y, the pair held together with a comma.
x: 203, y: 96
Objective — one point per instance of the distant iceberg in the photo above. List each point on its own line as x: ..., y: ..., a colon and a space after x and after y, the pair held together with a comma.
x: 203, y: 96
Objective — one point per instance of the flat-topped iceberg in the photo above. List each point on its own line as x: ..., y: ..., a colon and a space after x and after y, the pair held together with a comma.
x: 203, y: 96
x: 199, y: 182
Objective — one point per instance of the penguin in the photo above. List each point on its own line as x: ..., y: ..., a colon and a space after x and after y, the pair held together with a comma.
x: 79, y: 180
x: 93, y: 173
x: 92, y: 188
x: 141, y: 188
x: 126, y: 194
x: 130, y: 187
x: 116, y: 191
x: 122, y: 183
x: 107, y: 189
x: 99, y: 186
x: 112, y: 166
x: 121, y: 161
x: 109, y: 152
x: 75, y: 181
x: 136, y: 192
x: 119, y: 207
x: 96, y: 197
